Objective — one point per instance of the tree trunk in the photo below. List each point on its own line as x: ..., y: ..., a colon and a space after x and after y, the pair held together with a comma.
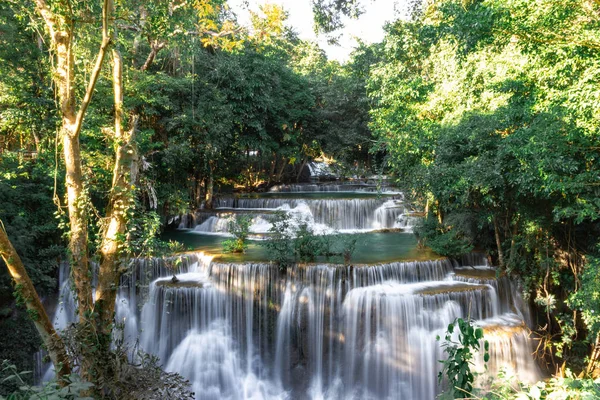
x: 272, y: 169
x: 24, y: 287
x: 513, y: 243
x: 78, y: 234
x: 197, y: 190
x: 61, y: 37
x: 281, y: 170
x: 209, y: 190
x: 593, y: 368
x: 498, y: 243
x: 155, y: 47
x: 304, y: 161
x: 120, y: 201
x: 36, y: 139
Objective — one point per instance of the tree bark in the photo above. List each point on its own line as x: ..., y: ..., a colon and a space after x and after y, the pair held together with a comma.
x: 61, y: 35
x: 197, y: 189
x: 513, y: 243
x: 208, y: 204
x: 304, y: 161
x: 272, y: 168
x: 23, y: 285
x: 498, y: 243
x: 279, y: 175
x: 120, y: 201
x: 155, y: 47
x: 593, y: 368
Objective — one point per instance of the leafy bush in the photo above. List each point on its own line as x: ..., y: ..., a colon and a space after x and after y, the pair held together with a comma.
x: 73, y: 390
x: 172, y: 261
x: 294, y: 240
x: 568, y: 387
x: 240, y: 228
x: 587, y: 298
x: 443, y: 239
x: 280, y: 245
x: 457, y: 367
x: 307, y: 245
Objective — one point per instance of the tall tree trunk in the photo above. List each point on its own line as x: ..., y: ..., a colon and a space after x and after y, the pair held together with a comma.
x: 61, y: 35
x: 120, y: 201
x: 208, y: 204
x: 36, y: 139
x: 78, y: 234
x: 272, y: 169
x: 513, y: 243
x: 52, y: 341
x: 197, y: 189
x: 279, y: 175
x: 304, y: 161
x: 498, y: 243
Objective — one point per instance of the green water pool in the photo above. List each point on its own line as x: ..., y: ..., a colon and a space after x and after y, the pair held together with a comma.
x: 371, y: 248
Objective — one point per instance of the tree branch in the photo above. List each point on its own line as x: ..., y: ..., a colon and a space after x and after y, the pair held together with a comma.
x: 48, y: 16
x: 154, y: 49
x: 97, y: 68
x: 25, y: 289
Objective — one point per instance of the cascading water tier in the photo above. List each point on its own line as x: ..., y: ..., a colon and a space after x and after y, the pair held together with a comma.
x: 319, y: 331
x: 326, y: 331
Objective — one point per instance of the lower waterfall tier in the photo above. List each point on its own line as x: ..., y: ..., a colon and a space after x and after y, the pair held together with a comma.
x: 241, y: 331
x: 318, y: 331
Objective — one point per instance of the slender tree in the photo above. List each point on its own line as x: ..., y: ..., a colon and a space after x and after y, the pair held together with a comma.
x: 28, y: 296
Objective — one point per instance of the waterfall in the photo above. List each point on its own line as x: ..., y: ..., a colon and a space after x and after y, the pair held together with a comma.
x: 326, y: 331
x: 186, y: 221
x: 344, y: 187
x: 320, y: 170
x: 346, y: 215
x: 317, y: 331
x: 314, y: 331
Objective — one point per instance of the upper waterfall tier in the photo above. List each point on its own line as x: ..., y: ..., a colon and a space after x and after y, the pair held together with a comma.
x: 347, y: 187
x: 339, y: 207
x: 336, y: 214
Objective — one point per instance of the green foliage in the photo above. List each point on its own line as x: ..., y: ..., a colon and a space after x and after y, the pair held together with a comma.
x: 169, y: 253
x: 292, y: 239
x: 19, y: 340
x: 569, y: 387
x: 457, y: 366
x: 442, y: 239
x: 328, y: 14
x: 143, y: 230
x: 239, y: 227
x: 26, y: 94
x: 280, y: 244
x: 74, y: 389
x: 348, y: 243
x: 308, y: 245
x: 488, y: 112
x: 26, y: 208
x: 587, y: 298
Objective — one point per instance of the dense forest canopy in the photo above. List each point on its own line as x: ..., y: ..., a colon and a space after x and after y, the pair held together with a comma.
x: 114, y: 117
x: 489, y: 112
